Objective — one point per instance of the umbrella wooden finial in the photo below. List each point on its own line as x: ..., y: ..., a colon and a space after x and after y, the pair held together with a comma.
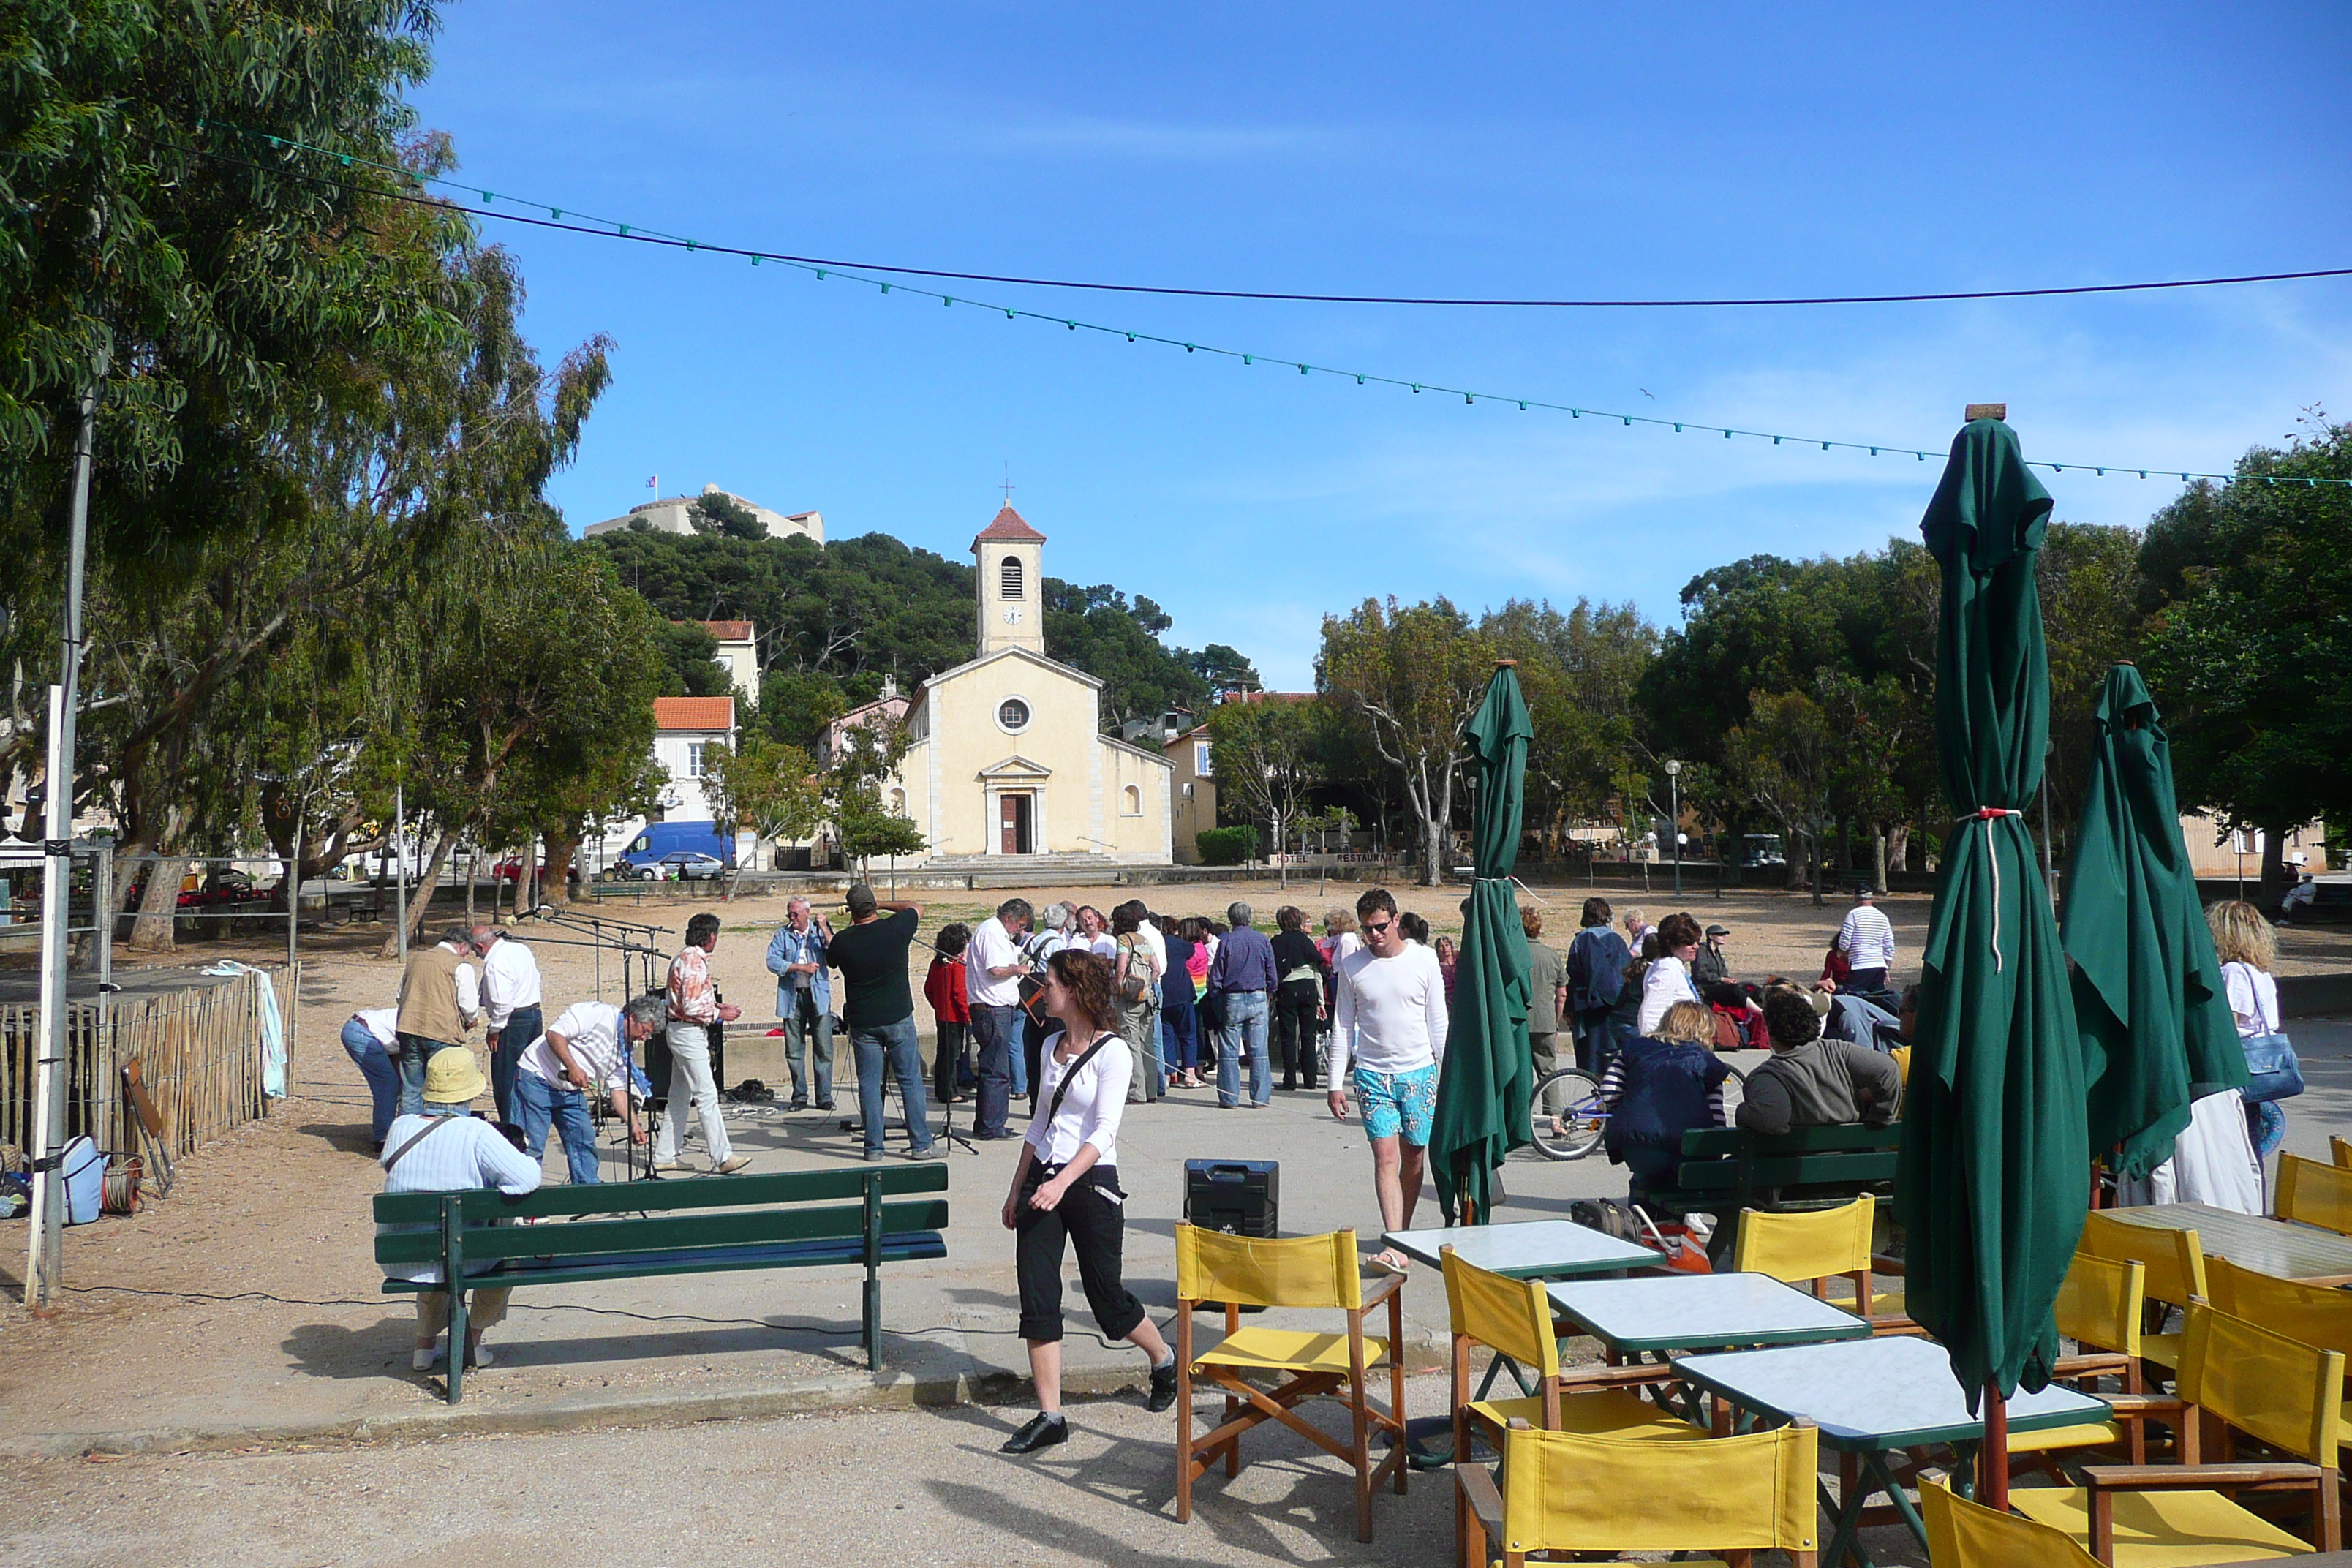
x: 1506, y: 664
x: 1976, y: 411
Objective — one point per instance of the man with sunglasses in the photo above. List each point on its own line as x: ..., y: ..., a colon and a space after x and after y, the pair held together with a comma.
x: 1390, y: 1025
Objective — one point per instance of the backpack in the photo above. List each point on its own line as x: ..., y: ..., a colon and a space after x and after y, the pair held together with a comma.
x: 1143, y: 981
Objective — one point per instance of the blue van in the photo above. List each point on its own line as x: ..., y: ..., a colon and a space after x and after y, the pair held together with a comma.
x: 660, y: 838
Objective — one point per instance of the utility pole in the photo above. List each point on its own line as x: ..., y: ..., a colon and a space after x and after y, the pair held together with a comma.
x: 57, y: 888
x: 1675, y: 793
x: 400, y: 871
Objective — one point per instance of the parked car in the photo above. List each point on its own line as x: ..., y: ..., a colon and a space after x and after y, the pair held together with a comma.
x: 686, y: 866
x: 511, y: 868
x: 659, y: 839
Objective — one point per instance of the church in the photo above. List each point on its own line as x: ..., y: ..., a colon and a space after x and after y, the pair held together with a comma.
x: 1008, y: 757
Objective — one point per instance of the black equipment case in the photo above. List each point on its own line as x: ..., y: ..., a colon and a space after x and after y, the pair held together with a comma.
x: 1237, y: 1196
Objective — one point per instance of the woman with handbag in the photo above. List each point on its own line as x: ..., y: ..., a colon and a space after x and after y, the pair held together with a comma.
x: 2214, y: 1161
x: 2247, y: 948
x: 1067, y: 1187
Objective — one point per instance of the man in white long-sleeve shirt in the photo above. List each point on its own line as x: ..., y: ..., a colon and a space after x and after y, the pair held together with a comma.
x: 1867, y: 940
x: 1390, y: 1027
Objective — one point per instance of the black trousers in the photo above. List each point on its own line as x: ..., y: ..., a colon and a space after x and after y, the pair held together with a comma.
x: 951, y: 1046
x: 1095, y: 1219
x: 1294, y: 1030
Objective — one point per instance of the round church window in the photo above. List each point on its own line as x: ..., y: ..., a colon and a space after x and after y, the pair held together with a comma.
x: 1012, y: 715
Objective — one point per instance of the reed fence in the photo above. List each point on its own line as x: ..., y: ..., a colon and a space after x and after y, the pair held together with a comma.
x: 199, y: 1050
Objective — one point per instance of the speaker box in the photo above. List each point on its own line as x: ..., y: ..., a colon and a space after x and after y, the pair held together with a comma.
x: 1240, y: 1197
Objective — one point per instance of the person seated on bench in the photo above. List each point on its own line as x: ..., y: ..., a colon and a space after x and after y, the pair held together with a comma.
x: 1808, y: 1081
x: 1659, y: 1088
x: 588, y: 1047
x: 447, y: 1149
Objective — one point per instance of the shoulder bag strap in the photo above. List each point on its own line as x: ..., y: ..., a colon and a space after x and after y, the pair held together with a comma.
x: 1054, y: 1108
x: 433, y: 1125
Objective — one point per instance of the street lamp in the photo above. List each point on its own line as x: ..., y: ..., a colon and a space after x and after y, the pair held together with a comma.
x: 1675, y: 794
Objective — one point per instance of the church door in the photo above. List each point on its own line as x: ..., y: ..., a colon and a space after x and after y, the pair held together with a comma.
x: 1014, y: 824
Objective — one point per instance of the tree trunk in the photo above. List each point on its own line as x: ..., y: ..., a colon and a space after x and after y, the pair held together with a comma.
x: 421, y: 901
x: 1898, y: 846
x: 1878, y: 869
x: 158, y: 908
x: 2276, y: 879
x: 561, y: 849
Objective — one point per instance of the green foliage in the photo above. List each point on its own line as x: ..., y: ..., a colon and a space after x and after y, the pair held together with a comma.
x: 867, y: 834
x: 690, y: 661
x: 770, y: 788
x: 1098, y: 630
x: 1266, y: 757
x: 1581, y: 673
x: 1222, y: 669
x: 2249, y: 652
x: 1228, y: 845
x: 715, y: 511
x: 843, y: 616
x: 137, y: 231
x: 1413, y: 677
x: 796, y: 707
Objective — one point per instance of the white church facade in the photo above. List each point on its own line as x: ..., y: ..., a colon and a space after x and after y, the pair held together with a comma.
x: 1008, y: 757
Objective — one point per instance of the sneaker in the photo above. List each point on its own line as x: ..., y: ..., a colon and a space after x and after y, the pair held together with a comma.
x: 1043, y: 1432
x: 825, y: 1105
x: 1163, y: 1387
x: 928, y: 1152
x: 666, y: 1167
x: 798, y: 1105
x: 734, y: 1163
x: 873, y: 1156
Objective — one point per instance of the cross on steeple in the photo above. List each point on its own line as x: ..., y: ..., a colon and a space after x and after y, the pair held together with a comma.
x: 1007, y: 486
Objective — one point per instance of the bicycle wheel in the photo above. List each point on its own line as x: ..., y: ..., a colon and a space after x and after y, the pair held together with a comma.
x: 1567, y: 1117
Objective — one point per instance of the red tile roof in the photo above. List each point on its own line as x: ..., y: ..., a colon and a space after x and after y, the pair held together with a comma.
x: 694, y: 713
x: 728, y: 631
x: 1009, y: 525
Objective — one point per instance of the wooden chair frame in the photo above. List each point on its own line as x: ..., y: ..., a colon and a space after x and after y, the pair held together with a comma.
x: 1861, y: 1278
x: 2297, y: 1176
x: 1247, y: 1405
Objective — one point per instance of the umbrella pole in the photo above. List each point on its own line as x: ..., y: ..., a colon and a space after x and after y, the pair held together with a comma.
x: 1993, y: 1457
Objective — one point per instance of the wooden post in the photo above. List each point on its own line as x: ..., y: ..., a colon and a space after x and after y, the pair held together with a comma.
x: 1992, y: 1456
x: 1976, y: 411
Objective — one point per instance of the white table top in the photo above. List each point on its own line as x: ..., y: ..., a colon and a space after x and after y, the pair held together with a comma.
x: 1702, y: 1311
x: 1527, y: 1249
x: 1892, y: 1392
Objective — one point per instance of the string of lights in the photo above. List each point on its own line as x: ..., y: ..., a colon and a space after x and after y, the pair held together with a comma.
x: 572, y: 220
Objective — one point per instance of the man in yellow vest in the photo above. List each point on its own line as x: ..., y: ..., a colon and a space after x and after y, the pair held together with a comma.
x: 440, y: 997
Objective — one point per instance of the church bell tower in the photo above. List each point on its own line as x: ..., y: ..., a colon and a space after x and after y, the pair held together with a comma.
x: 1007, y: 558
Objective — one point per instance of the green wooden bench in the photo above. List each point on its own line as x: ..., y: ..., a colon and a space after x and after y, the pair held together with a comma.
x: 806, y: 1219
x: 1725, y: 1170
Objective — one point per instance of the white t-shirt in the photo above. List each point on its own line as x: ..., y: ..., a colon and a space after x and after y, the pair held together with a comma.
x: 2253, y: 999
x: 1150, y: 933
x: 509, y: 979
x: 991, y: 948
x: 1391, y: 1014
x: 1089, y: 1113
x: 593, y: 1029
x: 1664, y: 984
x: 383, y: 1024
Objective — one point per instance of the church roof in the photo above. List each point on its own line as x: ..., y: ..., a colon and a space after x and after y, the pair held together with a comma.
x: 1010, y: 524
x: 728, y: 631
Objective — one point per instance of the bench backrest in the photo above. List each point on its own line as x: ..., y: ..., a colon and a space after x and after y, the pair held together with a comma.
x: 1728, y: 1160
x: 802, y: 1206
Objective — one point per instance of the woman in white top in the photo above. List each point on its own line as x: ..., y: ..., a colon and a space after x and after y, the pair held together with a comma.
x: 1066, y: 1185
x: 2248, y: 948
x: 1666, y: 980
x: 2213, y: 1160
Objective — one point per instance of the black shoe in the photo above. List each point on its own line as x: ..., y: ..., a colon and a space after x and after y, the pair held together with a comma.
x: 1043, y: 1432
x: 797, y: 1105
x: 1163, y: 1387
x: 825, y: 1105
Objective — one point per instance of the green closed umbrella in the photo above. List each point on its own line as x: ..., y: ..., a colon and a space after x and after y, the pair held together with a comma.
x: 2148, y: 999
x: 1481, y: 1094
x: 1991, y: 1182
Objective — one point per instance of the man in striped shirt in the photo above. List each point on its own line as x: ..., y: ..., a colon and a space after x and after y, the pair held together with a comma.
x: 588, y: 1047
x: 1868, y: 943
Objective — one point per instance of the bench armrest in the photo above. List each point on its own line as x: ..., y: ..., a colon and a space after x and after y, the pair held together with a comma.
x: 1476, y: 1486
x: 2199, y: 1478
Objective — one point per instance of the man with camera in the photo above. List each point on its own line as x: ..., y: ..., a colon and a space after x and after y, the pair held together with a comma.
x: 797, y: 958
x: 993, y: 967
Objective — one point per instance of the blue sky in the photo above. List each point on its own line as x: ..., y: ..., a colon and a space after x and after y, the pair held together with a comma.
x: 1464, y: 149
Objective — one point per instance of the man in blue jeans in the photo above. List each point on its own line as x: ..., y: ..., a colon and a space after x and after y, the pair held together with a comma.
x: 587, y: 1048
x: 1242, y: 979
x: 993, y: 965
x: 878, y: 1007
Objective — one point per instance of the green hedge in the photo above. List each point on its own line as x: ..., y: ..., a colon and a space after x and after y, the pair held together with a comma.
x: 1228, y: 845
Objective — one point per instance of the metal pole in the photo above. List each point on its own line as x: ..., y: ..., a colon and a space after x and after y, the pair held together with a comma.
x: 56, y: 888
x: 1675, y: 796
x: 400, y: 870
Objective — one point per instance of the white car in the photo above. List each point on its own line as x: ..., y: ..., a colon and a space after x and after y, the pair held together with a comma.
x: 686, y: 866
